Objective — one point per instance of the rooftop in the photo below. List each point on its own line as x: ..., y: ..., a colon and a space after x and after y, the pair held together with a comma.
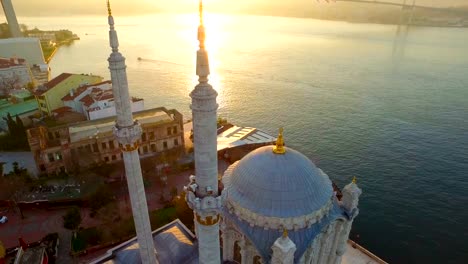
x: 82, y: 89
x: 238, y: 136
x: 72, y: 79
x: 17, y: 109
x: 11, y: 62
x: 33, y: 255
x: 104, y: 126
x: 173, y: 242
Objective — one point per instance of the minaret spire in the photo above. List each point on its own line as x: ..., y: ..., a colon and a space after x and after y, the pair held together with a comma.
x: 203, y: 65
x: 128, y: 134
x: 202, y: 192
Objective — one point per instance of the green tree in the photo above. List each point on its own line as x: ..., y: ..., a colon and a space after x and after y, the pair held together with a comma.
x: 72, y: 219
x: 100, y: 198
x: 183, y: 212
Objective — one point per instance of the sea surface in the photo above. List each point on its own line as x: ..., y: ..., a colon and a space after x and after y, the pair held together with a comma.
x: 385, y: 105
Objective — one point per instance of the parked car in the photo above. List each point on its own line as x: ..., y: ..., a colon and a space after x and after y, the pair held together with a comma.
x: 3, y: 219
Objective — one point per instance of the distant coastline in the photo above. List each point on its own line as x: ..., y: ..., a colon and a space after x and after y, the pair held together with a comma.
x: 50, y: 40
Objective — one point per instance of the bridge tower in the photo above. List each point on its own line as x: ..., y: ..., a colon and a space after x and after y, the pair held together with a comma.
x: 11, y: 19
x: 401, y: 35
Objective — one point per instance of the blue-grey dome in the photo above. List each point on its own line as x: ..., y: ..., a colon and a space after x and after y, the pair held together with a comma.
x: 278, y: 185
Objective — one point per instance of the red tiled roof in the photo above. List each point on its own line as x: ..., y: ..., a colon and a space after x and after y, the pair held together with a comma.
x: 83, y: 88
x: 87, y: 100
x: 7, y: 63
x: 76, y: 93
x: 106, y: 96
x: 62, y: 109
x: 52, y: 83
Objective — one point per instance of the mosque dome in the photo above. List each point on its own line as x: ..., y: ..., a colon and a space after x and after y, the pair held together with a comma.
x: 278, y: 185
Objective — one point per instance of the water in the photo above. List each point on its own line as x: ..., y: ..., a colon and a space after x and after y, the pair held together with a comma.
x: 396, y: 120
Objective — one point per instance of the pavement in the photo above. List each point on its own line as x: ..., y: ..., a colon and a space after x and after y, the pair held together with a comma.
x: 39, y: 222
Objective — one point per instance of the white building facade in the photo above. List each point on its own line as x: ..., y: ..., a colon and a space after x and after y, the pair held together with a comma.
x: 97, y: 101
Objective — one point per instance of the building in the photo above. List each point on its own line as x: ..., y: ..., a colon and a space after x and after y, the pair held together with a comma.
x: 26, y: 48
x: 84, y: 144
x: 274, y: 205
x: 97, y: 101
x: 14, y: 73
x: 49, y: 96
x: 22, y: 109
x: 11, y: 18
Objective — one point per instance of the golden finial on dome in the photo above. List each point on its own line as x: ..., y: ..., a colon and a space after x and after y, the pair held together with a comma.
x: 285, y: 233
x: 279, y: 148
x: 354, y: 180
x: 109, y: 12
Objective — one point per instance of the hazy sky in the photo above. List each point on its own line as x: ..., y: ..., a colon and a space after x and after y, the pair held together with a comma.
x: 124, y: 7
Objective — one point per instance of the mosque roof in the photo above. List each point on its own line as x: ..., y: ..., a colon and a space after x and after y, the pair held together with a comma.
x: 278, y: 185
x: 173, y: 242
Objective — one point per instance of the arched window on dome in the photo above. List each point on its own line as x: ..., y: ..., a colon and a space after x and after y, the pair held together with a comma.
x: 237, y: 252
x: 257, y: 260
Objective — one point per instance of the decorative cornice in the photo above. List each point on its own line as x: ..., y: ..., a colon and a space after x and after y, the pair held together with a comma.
x: 269, y: 222
x: 129, y: 147
x: 208, y: 220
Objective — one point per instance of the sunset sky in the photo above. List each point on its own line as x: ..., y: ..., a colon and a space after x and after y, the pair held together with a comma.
x: 125, y: 7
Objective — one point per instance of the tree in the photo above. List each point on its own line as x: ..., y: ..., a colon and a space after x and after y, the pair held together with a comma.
x: 72, y: 219
x: 16, y: 138
x: 109, y: 214
x: 183, y: 212
x: 9, y: 83
x: 100, y: 198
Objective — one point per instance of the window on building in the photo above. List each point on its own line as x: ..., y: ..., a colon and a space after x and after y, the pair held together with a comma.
x: 164, y: 145
x: 175, y: 130
x: 143, y: 136
x: 145, y: 149
x: 151, y: 135
x: 58, y: 156
x: 106, y: 159
x: 114, y: 157
x: 169, y: 131
x: 42, y: 167
x: 50, y: 157
x: 257, y: 260
x: 95, y: 147
x: 176, y: 142
x: 57, y: 134
x: 111, y: 144
x: 237, y: 252
x: 50, y: 135
x: 43, y: 105
x: 153, y: 148
x: 104, y: 145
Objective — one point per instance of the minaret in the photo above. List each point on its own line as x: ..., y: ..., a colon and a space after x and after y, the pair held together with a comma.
x: 349, y: 202
x: 202, y: 192
x: 11, y: 19
x: 128, y: 134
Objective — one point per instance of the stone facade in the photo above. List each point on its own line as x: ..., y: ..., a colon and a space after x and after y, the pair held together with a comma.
x: 85, y: 144
x: 202, y: 192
